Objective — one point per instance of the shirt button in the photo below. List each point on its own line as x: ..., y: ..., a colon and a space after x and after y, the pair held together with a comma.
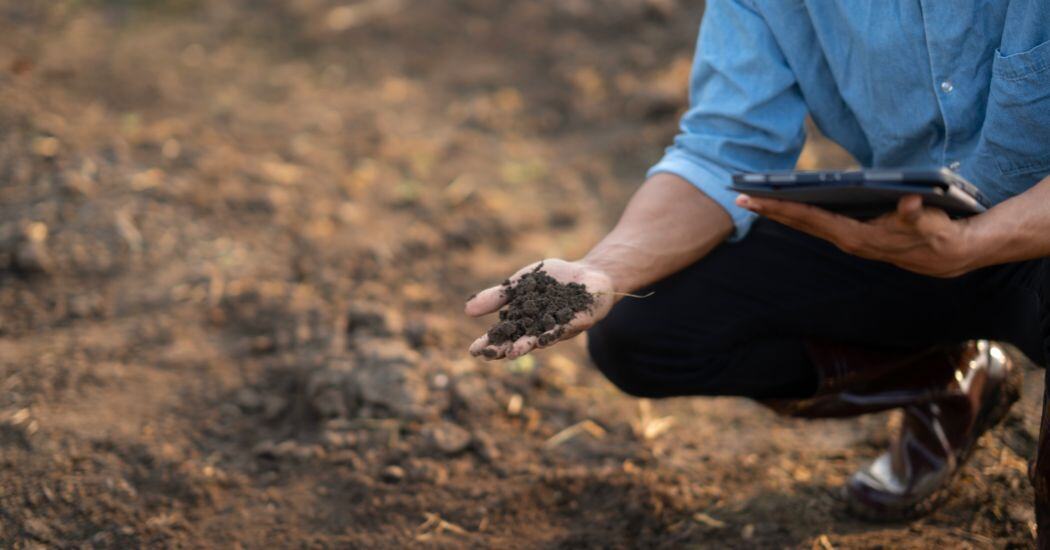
x: 947, y: 87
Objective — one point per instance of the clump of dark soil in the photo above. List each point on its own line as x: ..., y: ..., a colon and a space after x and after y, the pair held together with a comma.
x: 538, y: 305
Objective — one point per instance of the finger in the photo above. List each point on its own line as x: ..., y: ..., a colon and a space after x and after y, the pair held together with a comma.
x: 493, y: 352
x: 576, y: 325
x: 934, y: 221
x: 569, y: 334
x: 522, y: 346
x: 486, y: 350
x: 486, y: 301
x: 804, y: 225
x: 810, y: 219
x: 496, y: 351
x: 816, y: 217
x: 479, y: 345
x: 909, y: 208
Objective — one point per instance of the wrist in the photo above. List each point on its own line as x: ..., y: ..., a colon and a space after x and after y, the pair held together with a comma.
x: 986, y: 240
x: 612, y: 267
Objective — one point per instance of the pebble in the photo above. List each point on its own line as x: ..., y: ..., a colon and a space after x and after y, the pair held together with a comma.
x: 273, y: 406
x: 264, y: 448
x: 446, y: 437
x: 46, y: 146
x: 346, y: 458
x: 31, y: 254
x: 485, y: 446
x: 337, y: 440
x: 369, y: 318
x: 392, y: 474
x: 473, y: 393
x: 396, y: 385
x: 249, y: 400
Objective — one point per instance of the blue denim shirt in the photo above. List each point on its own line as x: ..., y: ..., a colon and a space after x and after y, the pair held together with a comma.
x: 898, y: 83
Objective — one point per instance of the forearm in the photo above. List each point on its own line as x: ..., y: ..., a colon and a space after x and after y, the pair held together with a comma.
x: 667, y: 225
x: 1015, y: 230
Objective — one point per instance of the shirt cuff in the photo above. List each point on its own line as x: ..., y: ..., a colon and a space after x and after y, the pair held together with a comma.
x: 713, y: 181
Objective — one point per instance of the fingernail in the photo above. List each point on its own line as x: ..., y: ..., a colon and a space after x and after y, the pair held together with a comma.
x: 745, y: 201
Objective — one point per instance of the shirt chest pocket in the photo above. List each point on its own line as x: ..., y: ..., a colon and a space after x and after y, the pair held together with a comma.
x: 1017, y: 124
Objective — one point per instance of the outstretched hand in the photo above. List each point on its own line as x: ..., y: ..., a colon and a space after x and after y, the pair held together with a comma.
x: 917, y: 238
x: 491, y: 299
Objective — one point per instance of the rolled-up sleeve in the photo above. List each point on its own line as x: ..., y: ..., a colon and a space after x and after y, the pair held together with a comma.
x: 746, y: 112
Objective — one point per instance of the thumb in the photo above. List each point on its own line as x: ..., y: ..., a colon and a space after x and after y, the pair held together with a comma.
x: 910, y: 208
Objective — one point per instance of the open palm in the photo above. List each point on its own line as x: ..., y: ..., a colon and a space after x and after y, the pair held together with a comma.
x: 491, y: 299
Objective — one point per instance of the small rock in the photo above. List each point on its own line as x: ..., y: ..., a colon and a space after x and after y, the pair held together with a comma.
x: 337, y: 440
x: 392, y: 474
x: 473, y: 393
x: 515, y: 404
x: 78, y: 184
x: 446, y: 437
x: 708, y: 521
x: 249, y: 400
x: 37, y: 528
x: 394, y: 384
x: 31, y: 254
x: 264, y: 448
x: 83, y: 306
x: 289, y: 449
x: 46, y: 146
x: 308, y: 452
x: 347, y: 458
x: 229, y: 410
x: 429, y: 471
x: 262, y: 344
x: 485, y: 446
x: 327, y: 396
x: 1021, y: 512
x: 416, y: 333
x: 273, y: 406
x: 372, y: 319
x: 375, y: 350
x: 286, y: 449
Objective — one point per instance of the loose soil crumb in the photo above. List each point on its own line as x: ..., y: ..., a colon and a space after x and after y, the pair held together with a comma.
x: 538, y: 305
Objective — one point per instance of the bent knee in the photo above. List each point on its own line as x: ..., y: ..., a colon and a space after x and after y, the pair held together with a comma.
x: 614, y: 358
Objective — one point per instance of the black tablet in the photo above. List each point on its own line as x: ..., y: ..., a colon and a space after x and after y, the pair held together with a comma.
x: 865, y: 194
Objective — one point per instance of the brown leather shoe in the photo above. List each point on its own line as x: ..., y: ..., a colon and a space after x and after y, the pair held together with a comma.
x: 950, y: 396
x: 936, y: 437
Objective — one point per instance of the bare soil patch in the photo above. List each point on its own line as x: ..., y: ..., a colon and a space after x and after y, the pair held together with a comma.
x: 234, y: 238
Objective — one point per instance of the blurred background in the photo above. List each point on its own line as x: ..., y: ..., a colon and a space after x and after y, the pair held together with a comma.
x: 235, y: 240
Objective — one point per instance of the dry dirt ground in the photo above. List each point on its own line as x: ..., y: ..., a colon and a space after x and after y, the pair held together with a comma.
x: 235, y: 238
